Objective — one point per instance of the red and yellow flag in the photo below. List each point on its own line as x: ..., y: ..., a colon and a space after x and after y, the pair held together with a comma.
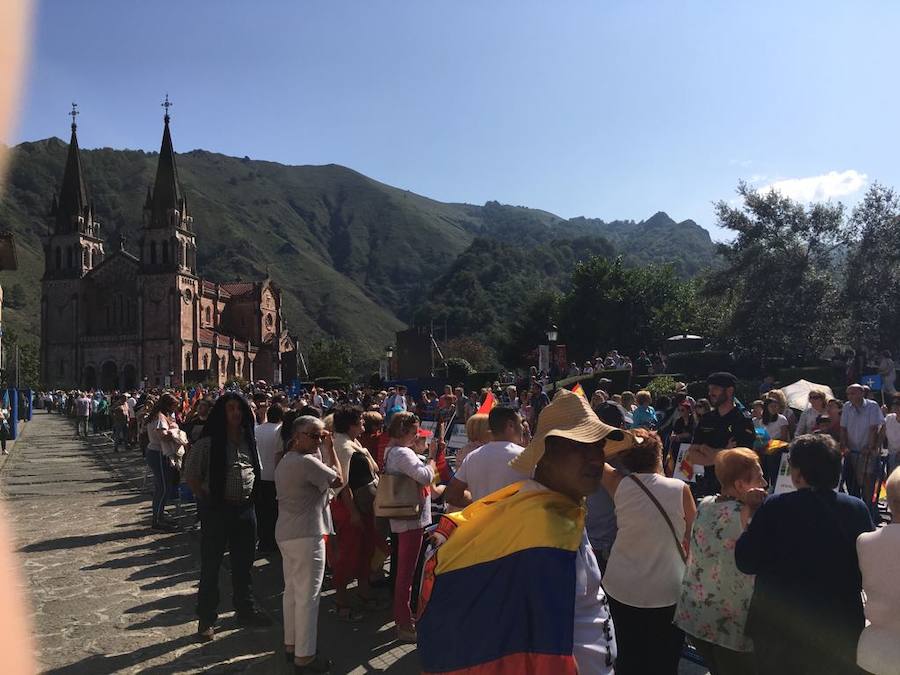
x: 577, y: 389
x: 488, y: 405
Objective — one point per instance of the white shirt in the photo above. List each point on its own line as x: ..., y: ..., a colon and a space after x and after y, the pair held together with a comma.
x: 808, y: 420
x: 486, y: 469
x: 645, y: 568
x: 774, y: 428
x: 892, y: 430
x: 268, y: 442
x: 131, y: 404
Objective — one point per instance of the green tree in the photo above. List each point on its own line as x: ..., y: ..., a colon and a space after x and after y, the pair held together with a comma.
x: 779, y: 280
x: 329, y: 357
x: 29, y: 374
x: 612, y: 306
x: 873, y: 270
x: 15, y: 297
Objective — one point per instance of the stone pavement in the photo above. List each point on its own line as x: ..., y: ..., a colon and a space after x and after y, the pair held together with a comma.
x: 111, y: 596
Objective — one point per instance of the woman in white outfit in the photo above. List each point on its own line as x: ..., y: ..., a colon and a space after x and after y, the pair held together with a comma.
x: 647, y: 562
x: 303, y: 481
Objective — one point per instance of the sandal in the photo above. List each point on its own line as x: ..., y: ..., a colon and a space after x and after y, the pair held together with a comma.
x: 348, y: 614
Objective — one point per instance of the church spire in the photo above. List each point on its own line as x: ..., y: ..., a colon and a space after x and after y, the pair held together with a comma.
x: 166, y: 205
x: 73, y: 211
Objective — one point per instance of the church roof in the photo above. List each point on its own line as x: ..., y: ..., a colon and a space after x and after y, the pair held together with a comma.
x: 73, y: 195
x: 239, y: 288
x: 208, y: 337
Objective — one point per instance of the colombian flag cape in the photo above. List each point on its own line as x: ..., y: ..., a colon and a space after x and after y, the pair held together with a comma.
x: 498, y: 597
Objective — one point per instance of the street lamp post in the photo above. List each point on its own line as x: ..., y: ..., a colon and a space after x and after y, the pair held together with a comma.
x: 552, y: 336
x: 388, y: 355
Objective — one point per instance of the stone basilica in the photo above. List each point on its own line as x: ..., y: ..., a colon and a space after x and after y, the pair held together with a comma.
x: 120, y: 320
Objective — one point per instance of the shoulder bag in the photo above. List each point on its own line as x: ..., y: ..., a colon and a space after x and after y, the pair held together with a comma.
x: 662, y: 512
x: 398, y: 496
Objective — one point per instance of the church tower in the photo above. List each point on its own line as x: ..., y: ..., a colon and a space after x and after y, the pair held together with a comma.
x: 72, y: 248
x: 168, y: 253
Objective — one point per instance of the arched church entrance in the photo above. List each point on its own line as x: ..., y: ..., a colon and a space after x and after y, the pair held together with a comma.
x: 89, y: 378
x: 129, y: 377
x: 109, y: 376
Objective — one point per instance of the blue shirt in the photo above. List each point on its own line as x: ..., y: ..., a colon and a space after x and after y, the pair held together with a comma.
x: 643, y: 416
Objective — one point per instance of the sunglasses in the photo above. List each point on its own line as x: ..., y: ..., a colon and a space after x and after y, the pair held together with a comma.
x: 318, y: 437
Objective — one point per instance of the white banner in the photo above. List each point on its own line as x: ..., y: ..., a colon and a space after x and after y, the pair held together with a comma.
x: 458, y: 438
x: 544, y: 358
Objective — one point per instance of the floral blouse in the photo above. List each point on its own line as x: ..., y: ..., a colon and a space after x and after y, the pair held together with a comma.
x: 715, y: 595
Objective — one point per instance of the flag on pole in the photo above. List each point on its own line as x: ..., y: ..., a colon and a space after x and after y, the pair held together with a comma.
x: 577, y: 389
x: 488, y: 405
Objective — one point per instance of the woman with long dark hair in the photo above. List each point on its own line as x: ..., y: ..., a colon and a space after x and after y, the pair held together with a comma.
x: 223, y: 470
x: 160, y: 427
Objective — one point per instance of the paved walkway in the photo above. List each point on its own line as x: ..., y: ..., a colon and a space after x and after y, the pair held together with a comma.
x: 110, y: 596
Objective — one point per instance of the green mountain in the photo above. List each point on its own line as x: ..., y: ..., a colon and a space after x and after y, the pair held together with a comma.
x: 356, y: 258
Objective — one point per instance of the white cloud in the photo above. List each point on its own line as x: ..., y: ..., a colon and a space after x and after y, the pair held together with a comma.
x: 819, y: 188
x: 740, y: 162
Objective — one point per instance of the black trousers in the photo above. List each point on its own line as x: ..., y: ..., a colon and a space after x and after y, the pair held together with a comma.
x: 231, y: 527
x: 648, y: 642
x: 266, y: 514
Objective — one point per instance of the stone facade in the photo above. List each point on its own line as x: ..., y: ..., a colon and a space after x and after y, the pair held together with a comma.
x: 125, y: 320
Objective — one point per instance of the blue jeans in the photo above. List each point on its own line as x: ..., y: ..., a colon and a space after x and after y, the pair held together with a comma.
x: 163, y: 479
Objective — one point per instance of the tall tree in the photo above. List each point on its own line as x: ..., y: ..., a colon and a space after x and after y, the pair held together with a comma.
x: 612, y: 306
x: 780, y: 274
x: 873, y: 270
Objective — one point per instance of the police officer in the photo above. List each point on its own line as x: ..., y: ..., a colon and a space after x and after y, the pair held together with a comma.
x: 725, y: 426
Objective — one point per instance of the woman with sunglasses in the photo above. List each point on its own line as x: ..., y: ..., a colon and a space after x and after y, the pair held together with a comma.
x: 400, y: 458
x: 303, y: 479
x: 810, y: 416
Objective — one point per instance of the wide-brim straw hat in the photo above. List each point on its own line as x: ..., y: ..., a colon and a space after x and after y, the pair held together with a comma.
x: 570, y: 416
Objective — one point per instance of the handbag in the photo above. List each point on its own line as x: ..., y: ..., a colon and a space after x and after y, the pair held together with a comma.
x: 364, y: 490
x: 398, y: 496
x: 665, y: 515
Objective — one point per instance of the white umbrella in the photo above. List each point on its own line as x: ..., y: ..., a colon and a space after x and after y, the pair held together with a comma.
x: 684, y: 337
x: 797, y: 394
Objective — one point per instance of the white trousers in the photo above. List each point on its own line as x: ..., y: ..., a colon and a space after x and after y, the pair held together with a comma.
x: 303, y: 562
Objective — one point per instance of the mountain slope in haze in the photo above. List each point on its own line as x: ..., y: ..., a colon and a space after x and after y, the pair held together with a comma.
x: 355, y: 258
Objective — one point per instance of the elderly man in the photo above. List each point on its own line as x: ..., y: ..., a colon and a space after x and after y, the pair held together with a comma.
x: 512, y: 581
x: 861, y: 420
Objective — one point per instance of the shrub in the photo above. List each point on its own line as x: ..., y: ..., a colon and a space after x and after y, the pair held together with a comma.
x: 662, y: 385
x: 457, y: 370
x: 699, y: 364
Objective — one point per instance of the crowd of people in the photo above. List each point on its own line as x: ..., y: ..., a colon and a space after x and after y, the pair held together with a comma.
x: 561, y: 538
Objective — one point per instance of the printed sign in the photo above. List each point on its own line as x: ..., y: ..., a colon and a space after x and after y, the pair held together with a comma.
x: 458, y: 438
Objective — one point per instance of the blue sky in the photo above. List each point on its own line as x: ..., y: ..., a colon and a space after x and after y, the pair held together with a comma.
x: 595, y: 108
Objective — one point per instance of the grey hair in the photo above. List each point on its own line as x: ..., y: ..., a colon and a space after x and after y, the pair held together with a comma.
x: 304, y: 421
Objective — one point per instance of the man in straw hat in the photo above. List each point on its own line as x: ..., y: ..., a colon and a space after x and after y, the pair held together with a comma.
x: 511, y: 583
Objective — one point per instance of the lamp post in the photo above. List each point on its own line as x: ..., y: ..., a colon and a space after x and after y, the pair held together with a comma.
x: 552, y: 335
x: 388, y: 355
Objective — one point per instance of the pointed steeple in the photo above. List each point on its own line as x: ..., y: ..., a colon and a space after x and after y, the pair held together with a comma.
x: 166, y: 205
x: 74, y: 202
